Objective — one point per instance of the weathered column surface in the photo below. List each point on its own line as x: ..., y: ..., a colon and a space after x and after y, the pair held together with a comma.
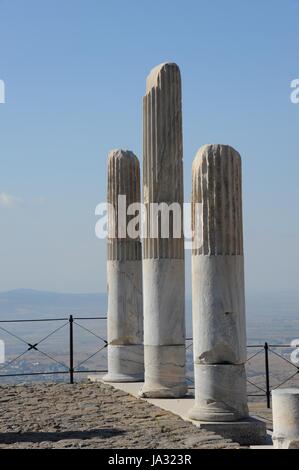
x: 285, y: 404
x: 219, y: 330
x: 163, y: 257
x: 124, y: 273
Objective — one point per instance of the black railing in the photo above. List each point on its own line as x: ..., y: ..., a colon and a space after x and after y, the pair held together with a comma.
x: 71, y: 369
x: 268, y: 350
x: 68, y: 368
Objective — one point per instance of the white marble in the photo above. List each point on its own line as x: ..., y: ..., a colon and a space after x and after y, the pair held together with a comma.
x: 163, y: 258
x: 164, y: 299
x: 125, y: 363
x: 220, y: 393
x: 218, y: 299
x: 125, y: 321
x: 285, y: 404
x: 124, y: 276
x: 219, y: 311
x: 165, y: 371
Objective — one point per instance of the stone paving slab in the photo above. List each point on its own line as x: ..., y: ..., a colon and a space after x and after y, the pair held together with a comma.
x: 93, y: 415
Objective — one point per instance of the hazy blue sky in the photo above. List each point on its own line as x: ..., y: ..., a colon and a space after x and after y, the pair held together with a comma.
x: 75, y: 75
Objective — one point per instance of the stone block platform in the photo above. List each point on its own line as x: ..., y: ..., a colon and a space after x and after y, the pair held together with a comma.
x: 247, y: 432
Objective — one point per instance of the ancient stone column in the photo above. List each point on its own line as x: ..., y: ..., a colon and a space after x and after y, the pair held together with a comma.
x: 163, y: 255
x: 219, y: 330
x: 124, y: 272
x: 285, y: 403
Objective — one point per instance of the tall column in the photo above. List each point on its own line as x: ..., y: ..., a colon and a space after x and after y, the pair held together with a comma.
x: 163, y: 256
x: 219, y: 330
x: 124, y: 273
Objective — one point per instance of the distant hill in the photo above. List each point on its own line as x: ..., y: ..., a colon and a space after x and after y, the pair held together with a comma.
x: 27, y: 303
x: 271, y: 316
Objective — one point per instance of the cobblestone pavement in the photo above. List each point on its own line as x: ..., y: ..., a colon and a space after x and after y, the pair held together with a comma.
x: 92, y: 416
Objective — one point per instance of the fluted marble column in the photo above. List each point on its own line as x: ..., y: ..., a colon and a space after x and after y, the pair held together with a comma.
x: 124, y: 273
x: 219, y: 330
x: 163, y: 258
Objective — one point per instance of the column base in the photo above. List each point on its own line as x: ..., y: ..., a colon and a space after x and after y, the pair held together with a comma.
x: 249, y: 431
x: 125, y: 363
x: 118, y: 378
x: 160, y: 391
x: 220, y: 393
x: 285, y: 443
x: 164, y: 372
x: 198, y: 413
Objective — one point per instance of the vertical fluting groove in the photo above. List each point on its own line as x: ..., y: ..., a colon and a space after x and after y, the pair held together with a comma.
x: 146, y: 185
x: 163, y: 177
x: 205, y: 241
x: 211, y: 210
x: 228, y: 204
x: 145, y: 173
x: 123, y: 179
x: 240, y: 209
x: 153, y: 150
x: 218, y: 205
x: 230, y: 240
x: 235, y: 206
x: 223, y: 199
x: 196, y: 204
x: 217, y: 185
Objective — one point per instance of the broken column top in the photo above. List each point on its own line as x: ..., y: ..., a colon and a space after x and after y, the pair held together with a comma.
x: 123, y: 176
x: 163, y: 157
x: 121, y: 153
x: 217, y: 186
x: 154, y: 77
x: 162, y: 136
x: 123, y: 180
x: 223, y: 151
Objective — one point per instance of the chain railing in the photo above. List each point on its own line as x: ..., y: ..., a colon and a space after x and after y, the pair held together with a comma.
x: 265, y: 373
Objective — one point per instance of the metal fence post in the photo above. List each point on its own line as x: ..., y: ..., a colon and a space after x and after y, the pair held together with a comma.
x: 71, y: 321
x: 268, y: 392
